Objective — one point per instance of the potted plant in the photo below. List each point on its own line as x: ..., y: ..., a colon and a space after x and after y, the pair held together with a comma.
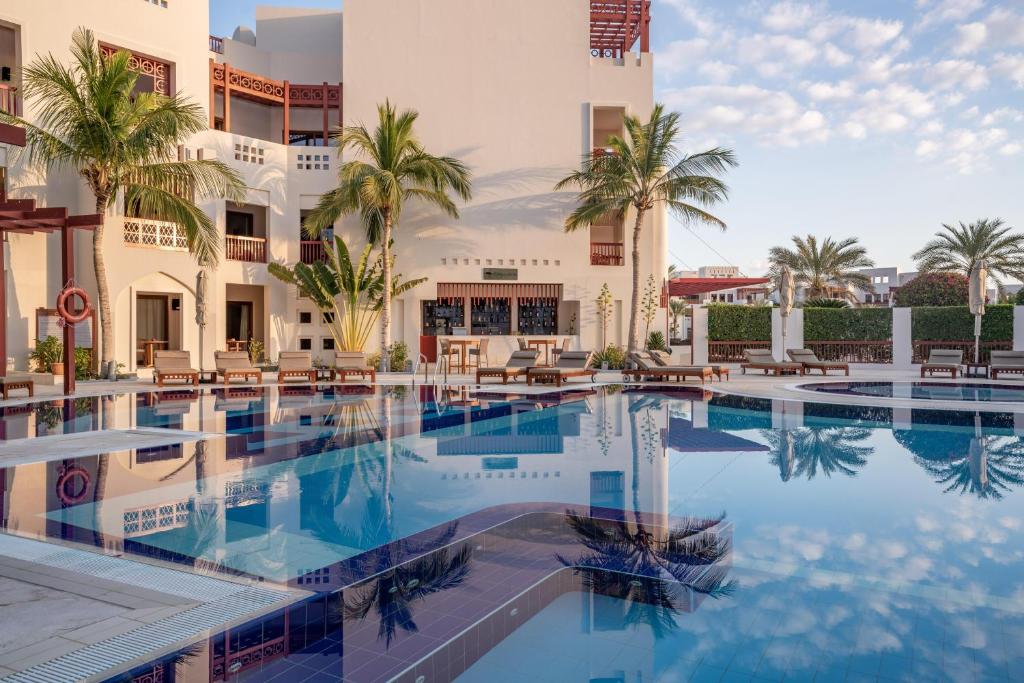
x: 48, y: 355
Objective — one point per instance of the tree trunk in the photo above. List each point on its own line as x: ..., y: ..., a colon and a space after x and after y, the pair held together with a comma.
x: 102, y: 290
x: 634, y: 307
x: 385, y: 313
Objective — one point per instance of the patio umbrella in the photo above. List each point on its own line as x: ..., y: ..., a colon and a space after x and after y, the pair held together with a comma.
x: 979, y: 277
x: 787, y: 293
x: 978, y: 456
x: 202, y: 314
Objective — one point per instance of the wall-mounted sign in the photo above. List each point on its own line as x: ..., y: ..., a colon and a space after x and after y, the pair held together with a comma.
x: 501, y: 273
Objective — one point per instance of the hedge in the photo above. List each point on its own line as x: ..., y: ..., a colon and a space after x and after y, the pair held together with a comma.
x: 847, y: 324
x: 955, y: 323
x: 739, y: 323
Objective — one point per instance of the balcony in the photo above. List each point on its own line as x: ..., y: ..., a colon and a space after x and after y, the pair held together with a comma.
x: 149, y: 234
x: 607, y: 253
x: 9, y: 99
x: 312, y: 251
x: 217, y: 44
x: 249, y: 249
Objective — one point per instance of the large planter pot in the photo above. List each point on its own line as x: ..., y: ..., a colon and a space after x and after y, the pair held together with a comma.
x: 57, y: 368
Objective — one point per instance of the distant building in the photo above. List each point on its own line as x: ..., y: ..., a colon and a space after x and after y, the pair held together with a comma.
x: 719, y: 284
x: 884, y: 281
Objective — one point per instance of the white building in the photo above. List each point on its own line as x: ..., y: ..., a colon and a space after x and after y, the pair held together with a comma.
x: 519, y: 94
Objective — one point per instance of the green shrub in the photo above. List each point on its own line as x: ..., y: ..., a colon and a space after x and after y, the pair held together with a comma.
x: 615, y: 356
x: 656, y: 341
x: 399, y: 354
x: 47, y: 352
x: 1018, y: 298
x: 847, y: 324
x: 739, y: 323
x: 822, y: 302
x: 934, y: 289
x: 83, y: 364
x: 955, y: 323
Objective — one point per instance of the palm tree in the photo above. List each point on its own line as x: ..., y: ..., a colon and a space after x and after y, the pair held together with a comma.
x: 676, y: 309
x: 396, y: 169
x: 982, y: 465
x: 90, y: 119
x: 825, y: 267
x: 830, y: 450
x: 642, y: 171
x: 957, y: 248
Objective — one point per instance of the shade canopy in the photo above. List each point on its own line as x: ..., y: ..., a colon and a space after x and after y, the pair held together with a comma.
x: 695, y: 286
x: 979, y: 279
x: 787, y: 292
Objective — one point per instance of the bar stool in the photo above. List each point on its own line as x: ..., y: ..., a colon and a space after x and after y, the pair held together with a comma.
x: 557, y: 351
x: 479, y: 352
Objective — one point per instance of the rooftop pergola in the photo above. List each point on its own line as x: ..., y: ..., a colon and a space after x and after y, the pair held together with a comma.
x: 616, y: 25
x: 21, y: 216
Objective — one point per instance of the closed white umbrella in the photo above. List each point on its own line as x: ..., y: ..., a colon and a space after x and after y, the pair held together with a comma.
x: 202, y: 312
x: 979, y: 278
x: 787, y: 295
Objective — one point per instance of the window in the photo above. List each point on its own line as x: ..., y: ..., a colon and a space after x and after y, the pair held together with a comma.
x: 305, y: 344
x: 239, y: 223
x: 328, y: 343
x: 305, y: 318
x: 327, y: 318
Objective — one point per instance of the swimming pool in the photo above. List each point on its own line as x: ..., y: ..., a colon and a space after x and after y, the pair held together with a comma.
x: 589, y: 535
x: 923, y: 390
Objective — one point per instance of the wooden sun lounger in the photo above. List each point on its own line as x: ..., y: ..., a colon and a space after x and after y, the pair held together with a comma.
x: 1003, y: 362
x: 351, y: 363
x: 9, y: 385
x: 173, y: 365
x: 518, y: 364
x: 296, y: 364
x: 648, y: 366
x: 943, y: 360
x: 810, y: 361
x: 570, y: 364
x: 236, y: 365
x: 762, y: 359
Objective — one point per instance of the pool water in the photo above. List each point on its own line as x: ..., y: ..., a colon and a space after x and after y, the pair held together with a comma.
x: 591, y: 535
x: 935, y: 391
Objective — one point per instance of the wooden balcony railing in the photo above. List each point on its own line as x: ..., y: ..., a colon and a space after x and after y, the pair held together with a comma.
x: 312, y: 251
x: 923, y: 348
x: 607, y: 253
x: 217, y: 44
x: 852, y: 351
x: 250, y: 249
x: 142, y: 232
x: 732, y: 351
x: 8, y: 99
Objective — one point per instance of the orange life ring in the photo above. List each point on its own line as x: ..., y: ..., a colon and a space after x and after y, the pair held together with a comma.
x: 62, y: 305
x: 72, y: 485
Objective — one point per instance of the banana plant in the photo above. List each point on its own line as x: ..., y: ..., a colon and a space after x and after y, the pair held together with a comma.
x: 353, y: 292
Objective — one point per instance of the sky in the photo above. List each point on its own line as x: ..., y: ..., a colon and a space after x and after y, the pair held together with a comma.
x: 875, y: 119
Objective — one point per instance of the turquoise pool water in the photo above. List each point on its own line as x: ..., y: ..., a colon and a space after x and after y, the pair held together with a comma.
x: 787, y: 539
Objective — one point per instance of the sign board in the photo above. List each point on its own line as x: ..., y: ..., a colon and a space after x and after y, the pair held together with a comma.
x: 501, y: 273
x: 48, y: 325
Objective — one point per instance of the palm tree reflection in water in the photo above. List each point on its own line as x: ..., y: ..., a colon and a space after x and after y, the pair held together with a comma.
x: 807, y: 451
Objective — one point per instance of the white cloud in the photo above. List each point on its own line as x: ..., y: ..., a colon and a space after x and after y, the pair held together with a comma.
x: 950, y: 74
x: 950, y: 10
x: 1010, y: 66
x: 970, y: 113
x: 680, y: 55
x: 872, y: 34
x: 772, y: 55
x: 716, y: 72
x: 970, y: 37
x: 823, y: 91
x: 1003, y: 114
x: 787, y: 16
x: 698, y: 17
x: 933, y: 127
x: 856, y: 131
x: 1005, y: 28
x: 1011, y: 149
x: 834, y: 56
x: 926, y: 148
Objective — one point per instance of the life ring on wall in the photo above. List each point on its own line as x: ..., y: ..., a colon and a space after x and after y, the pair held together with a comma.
x: 62, y: 305
x: 72, y: 485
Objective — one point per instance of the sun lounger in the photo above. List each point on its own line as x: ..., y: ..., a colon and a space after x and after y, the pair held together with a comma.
x: 351, y: 363
x: 762, y: 359
x: 943, y: 360
x: 810, y: 361
x: 1005, y: 362
x: 647, y: 367
x: 296, y: 364
x: 173, y: 365
x: 518, y: 363
x: 236, y: 365
x: 569, y: 364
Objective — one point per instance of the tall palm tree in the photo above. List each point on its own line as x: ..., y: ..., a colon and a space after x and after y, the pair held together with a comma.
x: 957, y: 248
x: 644, y: 170
x: 676, y: 310
x: 394, y: 169
x: 90, y: 119
x: 822, y: 268
x: 830, y: 450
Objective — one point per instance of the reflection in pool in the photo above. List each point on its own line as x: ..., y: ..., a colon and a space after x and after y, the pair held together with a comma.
x: 598, y: 534
x: 935, y: 391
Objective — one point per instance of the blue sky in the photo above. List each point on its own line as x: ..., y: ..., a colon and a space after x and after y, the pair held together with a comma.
x: 879, y: 119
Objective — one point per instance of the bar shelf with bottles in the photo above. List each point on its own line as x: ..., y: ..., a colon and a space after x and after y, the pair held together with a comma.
x: 538, y: 316
x: 441, y: 315
x: 490, y: 316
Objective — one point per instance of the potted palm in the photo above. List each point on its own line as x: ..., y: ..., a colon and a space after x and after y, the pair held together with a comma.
x: 48, y: 355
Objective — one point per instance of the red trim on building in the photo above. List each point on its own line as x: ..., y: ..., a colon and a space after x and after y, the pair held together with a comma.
x: 694, y: 286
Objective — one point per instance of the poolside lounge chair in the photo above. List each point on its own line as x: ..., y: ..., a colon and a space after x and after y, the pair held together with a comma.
x: 665, y: 358
x: 8, y: 384
x: 646, y: 366
x: 762, y: 359
x: 1005, y: 362
x: 351, y: 363
x: 570, y: 364
x: 943, y: 360
x: 173, y: 365
x: 296, y: 364
x: 810, y: 361
x: 517, y: 365
x: 236, y: 365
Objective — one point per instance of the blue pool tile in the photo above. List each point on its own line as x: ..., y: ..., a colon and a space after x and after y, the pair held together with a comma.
x: 895, y: 667
x: 706, y: 673
x: 864, y: 663
x: 833, y: 673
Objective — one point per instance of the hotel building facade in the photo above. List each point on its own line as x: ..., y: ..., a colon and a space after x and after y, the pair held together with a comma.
x: 519, y: 92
